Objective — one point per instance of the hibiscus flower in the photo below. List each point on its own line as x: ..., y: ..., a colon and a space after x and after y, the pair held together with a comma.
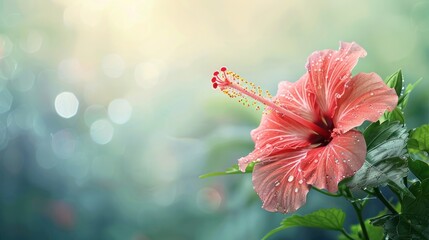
x: 306, y: 136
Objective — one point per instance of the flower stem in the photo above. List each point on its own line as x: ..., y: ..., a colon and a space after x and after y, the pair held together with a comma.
x: 381, y: 197
x: 327, y: 193
x: 397, y: 194
x: 343, y: 231
x: 358, y: 211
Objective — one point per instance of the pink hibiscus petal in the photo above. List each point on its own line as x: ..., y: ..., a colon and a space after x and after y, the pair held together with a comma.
x: 296, y: 98
x: 329, y: 71
x: 366, y: 98
x: 275, y: 134
x: 326, y: 166
x: 280, y: 183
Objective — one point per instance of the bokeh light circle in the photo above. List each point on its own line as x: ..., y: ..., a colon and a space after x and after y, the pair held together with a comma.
x: 24, y: 80
x: 6, y: 46
x: 119, y: 111
x: 101, y: 131
x: 63, y: 143
x: 209, y: 199
x: 33, y: 42
x: 66, y: 104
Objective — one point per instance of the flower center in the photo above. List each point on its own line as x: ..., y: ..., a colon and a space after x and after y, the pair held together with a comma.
x: 326, y: 123
x: 230, y: 83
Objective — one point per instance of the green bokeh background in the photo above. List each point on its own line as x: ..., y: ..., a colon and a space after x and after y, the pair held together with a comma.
x: 126, y: 164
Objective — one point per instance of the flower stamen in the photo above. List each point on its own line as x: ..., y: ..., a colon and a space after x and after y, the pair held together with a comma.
x: 231, y: 84
x: 235, y: 86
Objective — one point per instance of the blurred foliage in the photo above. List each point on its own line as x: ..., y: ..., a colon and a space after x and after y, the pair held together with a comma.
x: 107, y: 116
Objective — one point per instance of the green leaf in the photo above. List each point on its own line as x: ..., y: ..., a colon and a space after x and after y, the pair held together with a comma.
x: 232, y: 170
x: 419, y: 205
x: 395, y: 81
x: 413, y: 222
x: 418, y: 145
x: 395, y: 115
x: 413, y: 145
x: 419, y: 168
x: 332, y: 219
x: 374, y: 232
x: 403, y: 100
x: 385, y: 161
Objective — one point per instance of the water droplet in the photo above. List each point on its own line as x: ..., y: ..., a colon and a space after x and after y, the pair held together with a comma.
x: 300, y: 181
x: 276, y: 183
x: 372, y: 94
x: 316, y: 161
x: 290, y: 179
x: 337, y: 95
x: 296, y: 189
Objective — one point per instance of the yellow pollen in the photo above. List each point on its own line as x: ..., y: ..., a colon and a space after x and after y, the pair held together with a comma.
x: 248, y: 86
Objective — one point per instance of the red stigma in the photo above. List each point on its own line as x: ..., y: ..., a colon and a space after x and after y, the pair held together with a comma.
x: 221, y: 79
x: 234, y: 86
